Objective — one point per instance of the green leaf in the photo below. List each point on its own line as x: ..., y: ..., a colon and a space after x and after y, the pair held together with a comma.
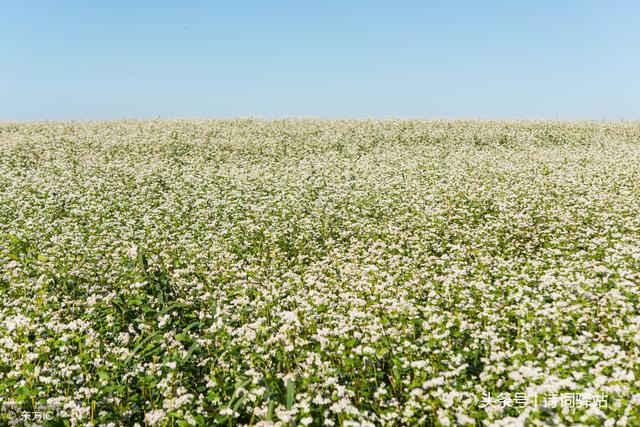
x: 272, y: 405
x: 291, y: 393
x: 143, y: 264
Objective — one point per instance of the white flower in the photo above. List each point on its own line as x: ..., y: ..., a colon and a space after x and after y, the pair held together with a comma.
x: 154, y: 416
x: 162, y: 320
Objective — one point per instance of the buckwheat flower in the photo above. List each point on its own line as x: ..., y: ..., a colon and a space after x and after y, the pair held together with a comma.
x: 419, y: 364
x: 132, y: 251
x: 155, y: 416
x: 226, y: 412
x: 443, y: 418
x: 173, y: 404
x: 334, y: 256
x: 14, y: 322
x: 434, y: 382
x: 162, y: 320
x: 464, y: 419
x: 190, y: 420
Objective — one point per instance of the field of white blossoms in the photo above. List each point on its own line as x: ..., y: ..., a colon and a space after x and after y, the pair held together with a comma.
x: 302, y: 272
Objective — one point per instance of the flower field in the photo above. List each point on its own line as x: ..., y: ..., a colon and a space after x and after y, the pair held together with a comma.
x: 309, y: 272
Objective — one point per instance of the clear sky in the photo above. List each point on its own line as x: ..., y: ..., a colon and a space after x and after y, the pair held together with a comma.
x: 491, y: 59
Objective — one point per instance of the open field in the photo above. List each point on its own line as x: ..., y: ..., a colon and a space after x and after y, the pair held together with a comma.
x: 320, y: 272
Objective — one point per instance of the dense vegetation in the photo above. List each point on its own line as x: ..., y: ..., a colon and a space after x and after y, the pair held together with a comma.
x: 320, y: 272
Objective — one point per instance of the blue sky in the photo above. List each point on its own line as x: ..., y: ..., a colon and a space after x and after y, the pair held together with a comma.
x: 488, y: 59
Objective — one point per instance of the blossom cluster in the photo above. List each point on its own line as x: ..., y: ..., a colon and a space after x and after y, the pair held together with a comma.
x: 309, y: 272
